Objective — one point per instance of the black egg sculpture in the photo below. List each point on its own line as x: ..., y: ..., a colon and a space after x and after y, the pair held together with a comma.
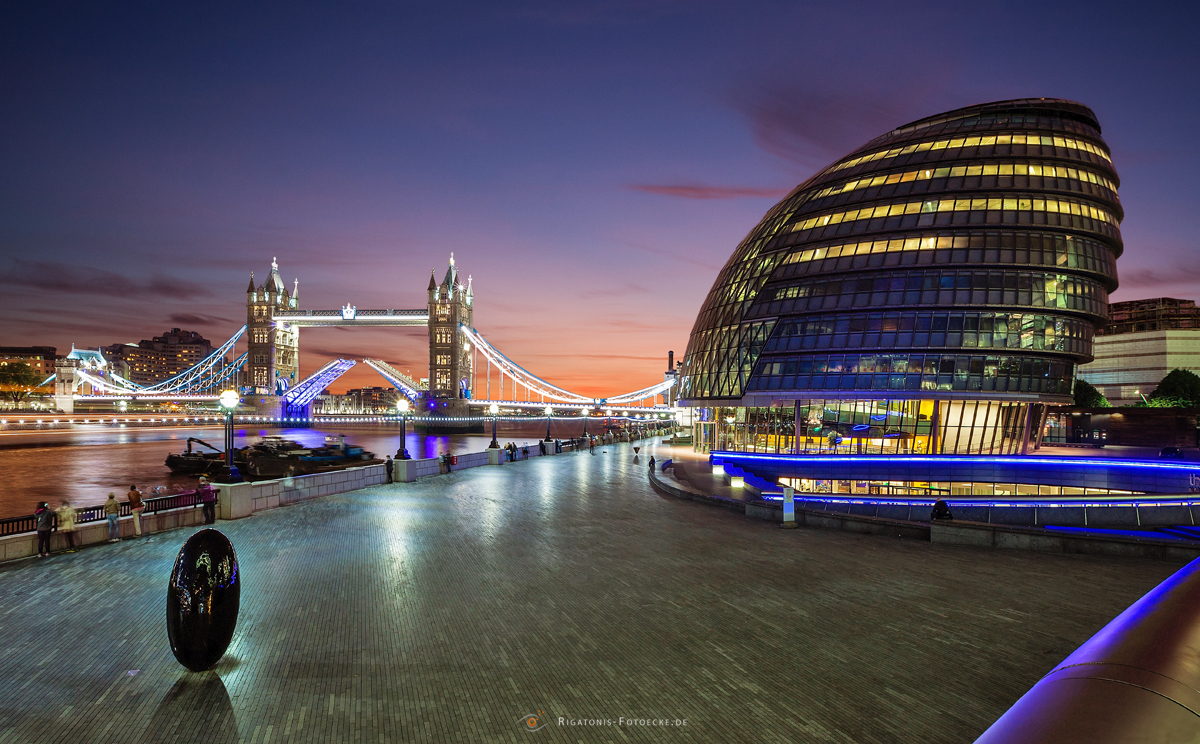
x: 202, y: 600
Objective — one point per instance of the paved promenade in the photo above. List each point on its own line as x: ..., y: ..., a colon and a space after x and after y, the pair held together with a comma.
x: 447, y: 609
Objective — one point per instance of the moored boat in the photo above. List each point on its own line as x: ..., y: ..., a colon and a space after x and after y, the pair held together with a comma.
x: 286, y: 458
x: 195, y: 462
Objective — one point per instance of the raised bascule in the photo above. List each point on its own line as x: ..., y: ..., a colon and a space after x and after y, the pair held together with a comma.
x: 459, y: 385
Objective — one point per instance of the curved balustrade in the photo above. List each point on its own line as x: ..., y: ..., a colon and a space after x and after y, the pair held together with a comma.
x: 1137, y: 680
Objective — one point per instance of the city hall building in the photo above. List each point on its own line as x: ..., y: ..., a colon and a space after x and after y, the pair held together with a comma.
x: 933, y: 291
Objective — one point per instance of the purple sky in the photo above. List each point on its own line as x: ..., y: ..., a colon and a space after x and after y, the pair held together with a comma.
x: 592, y: 165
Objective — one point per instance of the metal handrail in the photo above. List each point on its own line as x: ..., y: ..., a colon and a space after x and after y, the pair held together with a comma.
x: 28, y: 523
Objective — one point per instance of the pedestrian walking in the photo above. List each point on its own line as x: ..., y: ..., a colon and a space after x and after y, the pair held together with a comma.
x: 112, y: 511
x: 45, y: 524
x: 525, y: 451
x: 388, y: 467
x: 208, y: 500
x: 67, y: 516
x: 652, y: 462
x: 136, y: 506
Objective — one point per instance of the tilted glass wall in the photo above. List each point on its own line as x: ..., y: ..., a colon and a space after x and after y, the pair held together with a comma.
x: 969, y: 253
x: 878, y: 427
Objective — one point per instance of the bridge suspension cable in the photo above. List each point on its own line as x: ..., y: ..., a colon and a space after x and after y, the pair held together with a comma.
x: 193, y: 378
x: 538, y: 386
x: 208, y: 374
x: 649, y: 392
x: 522, y: 376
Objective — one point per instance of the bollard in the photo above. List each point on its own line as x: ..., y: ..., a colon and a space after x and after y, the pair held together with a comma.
x: 789, y: 508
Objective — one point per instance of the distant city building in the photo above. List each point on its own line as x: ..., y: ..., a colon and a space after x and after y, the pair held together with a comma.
x: 933, y: 291
x: 1142, y: 342
x: 162, y: 357
x: 39, y: 358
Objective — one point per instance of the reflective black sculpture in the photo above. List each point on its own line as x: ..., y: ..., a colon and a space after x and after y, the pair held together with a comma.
x: 202, y: 600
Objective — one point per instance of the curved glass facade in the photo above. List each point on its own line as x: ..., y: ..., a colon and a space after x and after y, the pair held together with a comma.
x: 966, y: 256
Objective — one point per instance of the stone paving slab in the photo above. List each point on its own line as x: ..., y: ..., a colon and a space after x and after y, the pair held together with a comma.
x: 446, y: 610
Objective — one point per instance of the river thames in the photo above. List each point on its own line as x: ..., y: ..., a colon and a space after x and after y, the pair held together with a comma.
x: 85, y: 462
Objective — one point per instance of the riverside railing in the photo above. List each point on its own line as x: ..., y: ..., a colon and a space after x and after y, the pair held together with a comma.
x: 28, y: 523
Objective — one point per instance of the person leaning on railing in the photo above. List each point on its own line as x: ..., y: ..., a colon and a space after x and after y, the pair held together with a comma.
x: 45, y: 524
x: 67, y: 516
x: 112, y: 511
x: 136, y: 507
x: 208, y: 500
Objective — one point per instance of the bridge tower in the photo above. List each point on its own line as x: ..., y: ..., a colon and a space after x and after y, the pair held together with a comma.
x: 450, y: 307
x: 273, y: 349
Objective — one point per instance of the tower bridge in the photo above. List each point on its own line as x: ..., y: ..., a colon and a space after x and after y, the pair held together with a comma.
x: 462, y: 362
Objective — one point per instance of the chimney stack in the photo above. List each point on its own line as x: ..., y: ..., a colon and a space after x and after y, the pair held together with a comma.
x: 670, y: 361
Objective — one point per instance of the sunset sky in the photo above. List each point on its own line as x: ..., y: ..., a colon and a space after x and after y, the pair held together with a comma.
x: 591, y: 165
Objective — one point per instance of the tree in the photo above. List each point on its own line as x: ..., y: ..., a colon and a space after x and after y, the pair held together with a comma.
x: 17, y: 381
x: 1087, y: 396
x: 1180, y: 387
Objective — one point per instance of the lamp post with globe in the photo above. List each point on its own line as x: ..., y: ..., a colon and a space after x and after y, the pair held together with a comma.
x: 549, y: 412
x: 228, y: 400
x: 402, y: 409
x: 494, y: 409
x: 584, y: 412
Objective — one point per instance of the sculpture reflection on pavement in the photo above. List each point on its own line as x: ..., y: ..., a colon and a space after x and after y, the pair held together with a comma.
x: 197, y: 709
x: 202, y: 600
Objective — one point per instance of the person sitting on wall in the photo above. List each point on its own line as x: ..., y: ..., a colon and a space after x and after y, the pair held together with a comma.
x: 941, y: 510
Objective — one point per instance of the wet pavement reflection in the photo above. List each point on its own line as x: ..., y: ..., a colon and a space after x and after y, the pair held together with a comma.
x: 196, y: 710
x: 446, y: 609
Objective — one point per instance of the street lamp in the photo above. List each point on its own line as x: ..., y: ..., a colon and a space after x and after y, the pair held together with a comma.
x: 549, y: 411
x: 228, y: 400
x: 494, y: 409
x: 402, y: 408
x: 584, y: 412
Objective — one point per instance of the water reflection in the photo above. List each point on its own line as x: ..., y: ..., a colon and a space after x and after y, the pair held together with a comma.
x: 196, y: 709
x: 84, y: 463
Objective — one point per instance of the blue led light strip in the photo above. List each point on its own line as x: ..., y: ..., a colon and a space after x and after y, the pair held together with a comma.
x: 1088, y: 501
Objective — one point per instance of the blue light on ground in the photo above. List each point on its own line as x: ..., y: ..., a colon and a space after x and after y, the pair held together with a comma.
x: 1157, y: 533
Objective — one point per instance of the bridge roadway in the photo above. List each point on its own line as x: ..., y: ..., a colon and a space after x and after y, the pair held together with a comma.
x: 447, y: 609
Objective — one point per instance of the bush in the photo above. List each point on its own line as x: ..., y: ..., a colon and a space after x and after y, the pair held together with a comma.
x: 1166, y: 403
x: 1087, y: 396
x: 1179, y: 389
